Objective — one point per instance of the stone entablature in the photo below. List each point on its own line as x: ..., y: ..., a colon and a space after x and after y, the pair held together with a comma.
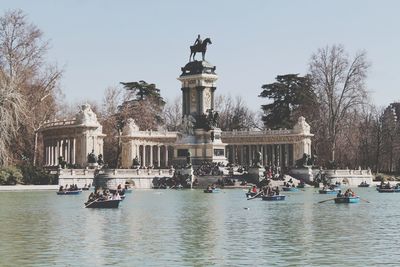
x: 72, y: 139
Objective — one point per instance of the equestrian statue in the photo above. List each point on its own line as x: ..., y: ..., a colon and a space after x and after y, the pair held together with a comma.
x: 199, y: 46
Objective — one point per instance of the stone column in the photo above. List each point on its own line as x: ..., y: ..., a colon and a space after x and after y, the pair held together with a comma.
x: 158, y: 156
x: 151, y: 155
x: 166, y: 156
x: 73, y: 151
x: 249, y: 154
x: 51, y: 152
x: 66, y: 150
x: 241, y: 154
x: 46, y: 152
x: 144, y: 156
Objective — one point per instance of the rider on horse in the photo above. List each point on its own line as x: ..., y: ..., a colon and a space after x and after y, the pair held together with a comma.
x: 198, y: 41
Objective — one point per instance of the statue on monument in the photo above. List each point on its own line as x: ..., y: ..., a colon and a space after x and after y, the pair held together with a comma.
x: 135, y: 162
x: 92, y: 157
x: 258, y: 160
x: 199, y: 46
x: 188, y: 160
x: 100, y: 160
x: 212, y: 119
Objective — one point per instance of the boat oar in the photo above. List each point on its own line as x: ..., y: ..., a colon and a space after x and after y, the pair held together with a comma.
x: 249, y: 198
x: 364, y: 200
x: 326, y: 200
x: 86, y: 205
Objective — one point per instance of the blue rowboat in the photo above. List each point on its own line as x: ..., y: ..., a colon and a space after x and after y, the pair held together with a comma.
x: 215, y: 190
x: 252, y: 194
x: 328, y: 191
x: 274, y: 198
x: 388, y: 190
x: 290, y: 189
x: 73, y: 192
x: 103, y: 204
x: 340, y: 200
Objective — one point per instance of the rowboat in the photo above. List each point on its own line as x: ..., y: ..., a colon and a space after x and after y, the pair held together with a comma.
x: 363, y: 185
x: 328, y: 191
x: 290, y: 189
x: 72, y: 192
x: 301, y: 185
x: 339, y: 200
x: 274, y: 198
x: 388, y: 190
x: 215, y: 190
x: 103, y: 204
x: 252, y: 194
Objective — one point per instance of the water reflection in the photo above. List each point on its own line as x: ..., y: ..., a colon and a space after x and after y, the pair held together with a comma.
x: 190, y: 228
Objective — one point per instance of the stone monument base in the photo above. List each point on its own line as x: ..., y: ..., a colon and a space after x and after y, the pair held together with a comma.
x: 255, y: 174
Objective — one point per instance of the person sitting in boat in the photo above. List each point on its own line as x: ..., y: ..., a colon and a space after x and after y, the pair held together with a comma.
x: 388, y: 186
x: 116, y: 196
x: 339, y: 194
x: 254, y: 189
x: 277, y: 190
x: 209, y: 187
x: 92, y: 197
x: 61, y: 189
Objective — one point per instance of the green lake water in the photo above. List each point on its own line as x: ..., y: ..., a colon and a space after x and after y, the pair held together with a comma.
x: 190, y: 228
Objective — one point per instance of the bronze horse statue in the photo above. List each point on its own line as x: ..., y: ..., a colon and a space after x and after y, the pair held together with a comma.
x: 199, y: 48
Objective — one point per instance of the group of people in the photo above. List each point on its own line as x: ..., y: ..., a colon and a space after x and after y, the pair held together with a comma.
x: 208, y: 168
x: 73, y: 187
x: 267, y: 190
x: 289, y: 183
x: 348, y: 193
x: 105, y: 195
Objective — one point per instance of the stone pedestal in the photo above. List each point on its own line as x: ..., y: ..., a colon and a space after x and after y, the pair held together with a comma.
x: 203, y: 146
x: 256, y: 174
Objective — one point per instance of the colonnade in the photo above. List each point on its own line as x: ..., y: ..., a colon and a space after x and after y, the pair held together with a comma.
x: 274, y: 154
x: 154, y: 155
x: 53, y: 149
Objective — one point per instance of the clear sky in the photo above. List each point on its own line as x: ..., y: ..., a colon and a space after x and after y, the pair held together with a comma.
x: 100, y: 43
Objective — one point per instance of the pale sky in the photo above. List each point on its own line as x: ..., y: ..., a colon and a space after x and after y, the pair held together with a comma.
x: 100, y: 43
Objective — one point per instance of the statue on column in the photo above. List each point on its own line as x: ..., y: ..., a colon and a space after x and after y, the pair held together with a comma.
x: 199, y: 46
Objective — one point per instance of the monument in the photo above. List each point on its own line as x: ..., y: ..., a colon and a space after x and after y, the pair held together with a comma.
x: 201, y: 136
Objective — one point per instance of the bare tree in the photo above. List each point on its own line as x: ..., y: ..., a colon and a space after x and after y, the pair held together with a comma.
x: 172, y: 115
x: 109, y: 120
x: 235, y: 115
x: 11, y: 114
x: 22, y: 52
x: 339, y: 84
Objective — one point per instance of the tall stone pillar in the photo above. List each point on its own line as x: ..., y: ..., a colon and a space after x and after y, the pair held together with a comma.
x: 242, y: 155
x: 166, y: 156
x: 151, y: 155
x: 73, y: 154
x: 158, y: 156
x: 66, y: 146
x: 144, y: 156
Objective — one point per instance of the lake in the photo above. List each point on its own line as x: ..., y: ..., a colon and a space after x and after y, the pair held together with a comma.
x: 190, y: 228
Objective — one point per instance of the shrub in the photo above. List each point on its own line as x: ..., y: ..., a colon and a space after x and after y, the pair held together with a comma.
x: 35, y: 175
x: 10, y: 176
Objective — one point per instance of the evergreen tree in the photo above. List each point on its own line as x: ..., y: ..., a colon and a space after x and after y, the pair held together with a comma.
x: 144, y: 104
x: 292, y: 96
